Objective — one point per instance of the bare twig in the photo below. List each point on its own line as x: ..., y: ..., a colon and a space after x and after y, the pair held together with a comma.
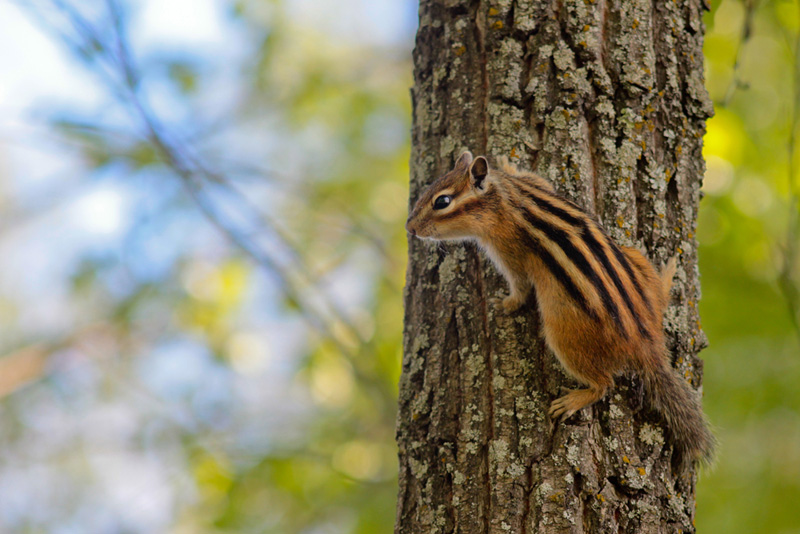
x: 747, y: 27
x: 789, y: 288
x: 120, y: 73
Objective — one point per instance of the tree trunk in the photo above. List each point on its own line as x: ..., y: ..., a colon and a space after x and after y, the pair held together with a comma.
x: 606, y: 100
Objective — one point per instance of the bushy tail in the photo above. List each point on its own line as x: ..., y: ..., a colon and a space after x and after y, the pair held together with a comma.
x: 680, y: 406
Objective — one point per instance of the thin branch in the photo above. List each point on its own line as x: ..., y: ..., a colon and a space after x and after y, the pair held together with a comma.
x: 315, y: 320
x: 190, y: 168
x: 747, y: 28
x: 790, y: 290
x: 177, y: 158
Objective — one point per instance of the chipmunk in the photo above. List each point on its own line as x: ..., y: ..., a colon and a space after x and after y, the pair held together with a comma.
x: 601, y: 305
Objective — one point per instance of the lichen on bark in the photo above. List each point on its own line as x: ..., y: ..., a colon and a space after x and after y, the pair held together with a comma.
x: 606, y: 100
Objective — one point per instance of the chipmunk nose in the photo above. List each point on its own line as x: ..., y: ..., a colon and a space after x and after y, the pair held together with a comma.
x: 410, y: 229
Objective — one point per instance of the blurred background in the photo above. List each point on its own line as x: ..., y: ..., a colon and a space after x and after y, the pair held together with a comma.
x: 201, y: 225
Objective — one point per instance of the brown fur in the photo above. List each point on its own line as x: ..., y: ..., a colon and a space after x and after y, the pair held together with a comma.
x: 601, y: 305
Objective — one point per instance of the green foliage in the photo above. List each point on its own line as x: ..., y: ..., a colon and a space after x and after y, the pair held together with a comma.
x: 752, y: 365
x: 328, y: 197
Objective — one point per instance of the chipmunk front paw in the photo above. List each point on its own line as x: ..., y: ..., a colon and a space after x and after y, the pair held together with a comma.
x: 506, y: 305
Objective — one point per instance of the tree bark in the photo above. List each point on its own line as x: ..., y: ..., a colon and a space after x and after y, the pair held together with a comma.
x: 606, y: 100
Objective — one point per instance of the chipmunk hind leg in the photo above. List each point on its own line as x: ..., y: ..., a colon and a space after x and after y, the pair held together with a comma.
x: 590, y: 362
x: 575, y: 400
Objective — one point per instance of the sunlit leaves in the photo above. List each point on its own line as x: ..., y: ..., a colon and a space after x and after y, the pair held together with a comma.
x: 751, y: 364
x: 213, y: 476
x: 725, y: 137
x: 215, y: 293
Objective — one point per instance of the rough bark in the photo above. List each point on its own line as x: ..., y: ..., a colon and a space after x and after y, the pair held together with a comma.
x: 606, y: 100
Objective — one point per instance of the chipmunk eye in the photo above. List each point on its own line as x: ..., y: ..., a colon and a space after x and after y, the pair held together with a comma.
x: 442, y: 202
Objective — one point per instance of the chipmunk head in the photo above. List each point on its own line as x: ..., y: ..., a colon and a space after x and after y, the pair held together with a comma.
x: 457, y: 205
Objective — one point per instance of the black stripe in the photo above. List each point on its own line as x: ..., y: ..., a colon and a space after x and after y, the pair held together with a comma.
x: 561, y: 238
x: 558, y: 273
x: 600, y: 255
x: 597, y: 250
x: 548, y: 206
x: 623, y: 260
x: 458, y: 211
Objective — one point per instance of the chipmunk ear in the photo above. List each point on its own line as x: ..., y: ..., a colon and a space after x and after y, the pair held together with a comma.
x: 478, y: 171
x: 464, y: 160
